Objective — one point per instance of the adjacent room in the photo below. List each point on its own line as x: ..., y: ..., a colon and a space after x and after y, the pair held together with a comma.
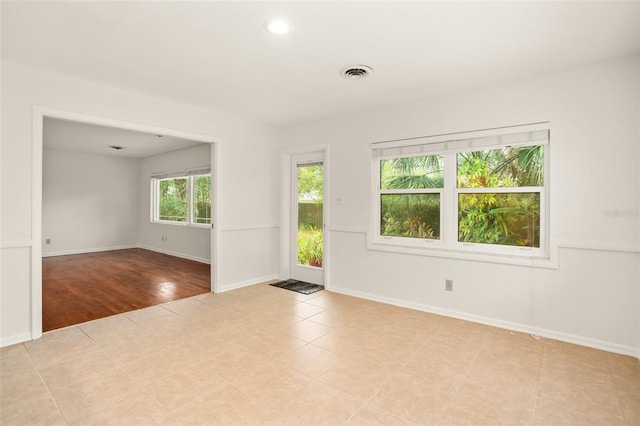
x: 450, y: 190
x: 126, y: 221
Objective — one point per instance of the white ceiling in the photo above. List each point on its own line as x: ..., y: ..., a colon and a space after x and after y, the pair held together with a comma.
x: 217, y: 54
x: 95, y: 139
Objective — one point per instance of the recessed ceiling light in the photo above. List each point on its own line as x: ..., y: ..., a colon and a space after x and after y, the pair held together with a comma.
x: 278, y: 26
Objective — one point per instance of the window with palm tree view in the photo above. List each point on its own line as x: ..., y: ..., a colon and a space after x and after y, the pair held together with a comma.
x: 484, y: 199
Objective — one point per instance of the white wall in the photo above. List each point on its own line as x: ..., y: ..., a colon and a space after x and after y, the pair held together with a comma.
x: 592, y: 298
x: 89, y: 202
x: 185, y: 241
x: 246, y: 173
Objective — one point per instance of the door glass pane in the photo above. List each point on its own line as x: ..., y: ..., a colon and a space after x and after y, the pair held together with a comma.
x: 310, y: 217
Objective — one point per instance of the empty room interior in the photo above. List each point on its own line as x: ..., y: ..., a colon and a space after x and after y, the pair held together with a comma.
x: 320, y: 213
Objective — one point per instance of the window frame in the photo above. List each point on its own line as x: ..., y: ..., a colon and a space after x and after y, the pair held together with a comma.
x: 449, y: 234
x: 155, y: 199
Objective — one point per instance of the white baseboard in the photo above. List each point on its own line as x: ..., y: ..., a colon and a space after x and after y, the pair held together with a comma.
x: 142, y: 246
x: 551, y: 334
x: 247, y: 283
x: 90, y: 250
x: 17, y: 338
x: 174, y: 253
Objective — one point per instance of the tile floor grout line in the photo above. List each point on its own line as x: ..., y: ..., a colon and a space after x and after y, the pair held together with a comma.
x: 44, y: 383
x: 538, y: 384
x: 615, y: 387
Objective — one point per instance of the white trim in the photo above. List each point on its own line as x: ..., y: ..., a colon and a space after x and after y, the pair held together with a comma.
x: 524, y: 328
x: 551, y: 263
x: 176, y: 254
x: 36, y: 219
x: 463, y: 136
x: 598, y: 246
x: 503, y: 259
x: 15, y: 339
x: 215, y: 232
x: 142, y: 246
x: 90, y: 250
x: 250, y: 228
x: 39, y: 113
x: 15, y: 244
x: 248, y: 283
x: 347, y: 229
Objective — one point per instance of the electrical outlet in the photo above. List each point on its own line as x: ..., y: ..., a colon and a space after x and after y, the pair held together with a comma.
x: 47, y: 241
x: 448, y: 285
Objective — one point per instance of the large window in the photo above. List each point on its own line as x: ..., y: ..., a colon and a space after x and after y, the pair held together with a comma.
x: 184, y: 199
x: 485, y: 193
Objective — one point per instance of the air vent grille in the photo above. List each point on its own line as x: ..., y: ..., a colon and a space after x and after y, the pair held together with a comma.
x: 356, y: 71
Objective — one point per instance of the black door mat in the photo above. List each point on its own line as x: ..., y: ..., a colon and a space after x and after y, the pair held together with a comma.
x: 298, y: 286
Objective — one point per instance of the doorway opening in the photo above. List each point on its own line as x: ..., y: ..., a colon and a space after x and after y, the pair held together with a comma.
x: 163, y: 137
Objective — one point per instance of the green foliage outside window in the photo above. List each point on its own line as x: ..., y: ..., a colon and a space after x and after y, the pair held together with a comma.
x: 311, y: 182
x: 310, y: 211
x: 500, y: 218
x: 506, y: 218
x: 414, y: 215
x: 410, y: 215
x: 173, y: 200
x: 202, y: 199
x: 310, y: 246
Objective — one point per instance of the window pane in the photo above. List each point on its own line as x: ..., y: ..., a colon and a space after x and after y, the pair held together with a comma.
x: 202, y: 199
x: 172, y: 200
x: 511, y: 219
x: 310, y: 214
x: 412, y: 172
x: 506, y: 167
x: 410, y: 215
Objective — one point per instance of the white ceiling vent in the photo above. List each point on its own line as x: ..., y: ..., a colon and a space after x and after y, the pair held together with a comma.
x: 356, y: 71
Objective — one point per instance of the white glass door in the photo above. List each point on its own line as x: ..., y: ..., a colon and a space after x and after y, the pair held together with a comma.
x: 307, y: 217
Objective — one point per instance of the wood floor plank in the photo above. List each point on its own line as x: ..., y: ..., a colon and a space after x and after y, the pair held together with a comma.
x: 83, y: 287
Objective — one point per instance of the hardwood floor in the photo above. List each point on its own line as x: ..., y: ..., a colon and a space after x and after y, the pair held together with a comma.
x: 84, y: 287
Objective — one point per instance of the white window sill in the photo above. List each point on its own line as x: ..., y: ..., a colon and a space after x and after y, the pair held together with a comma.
x: 537, y: 262
x: 184, y: 224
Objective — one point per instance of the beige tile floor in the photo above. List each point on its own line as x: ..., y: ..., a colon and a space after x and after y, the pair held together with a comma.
x: 263, y: 355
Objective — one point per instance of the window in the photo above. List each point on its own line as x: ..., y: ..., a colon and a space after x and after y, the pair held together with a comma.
x: 498, y: 196
x: 482, y: 192
x: 201, y: 212
x: 182, y: 198
x: 173, y: 201
x: 410, y: 196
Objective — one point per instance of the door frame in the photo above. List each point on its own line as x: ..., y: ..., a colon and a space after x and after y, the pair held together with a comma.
x: 286, y: 157
x: 39, y: 114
